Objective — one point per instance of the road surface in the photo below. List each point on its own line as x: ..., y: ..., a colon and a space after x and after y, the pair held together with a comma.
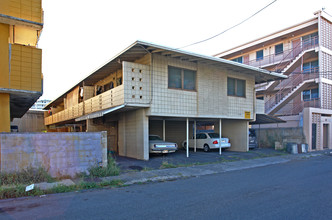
x: 300, y: 189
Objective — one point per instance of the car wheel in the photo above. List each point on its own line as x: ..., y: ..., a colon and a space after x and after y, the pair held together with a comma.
x: 206, y: 148
x: 185, y: 145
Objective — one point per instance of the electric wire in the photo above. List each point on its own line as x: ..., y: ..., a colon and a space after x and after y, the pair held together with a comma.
x: 198, y: 42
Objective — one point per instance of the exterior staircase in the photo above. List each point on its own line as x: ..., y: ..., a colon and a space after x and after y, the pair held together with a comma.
x: 289, y: 88
x: 291, y: 95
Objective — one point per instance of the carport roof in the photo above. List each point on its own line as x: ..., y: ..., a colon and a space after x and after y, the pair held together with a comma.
x: 140, y: 49
x: 266, y: 119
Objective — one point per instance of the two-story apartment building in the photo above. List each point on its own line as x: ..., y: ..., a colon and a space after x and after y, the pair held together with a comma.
x: 152, y: 89
x: 21, y: 22
x: 303, y: 52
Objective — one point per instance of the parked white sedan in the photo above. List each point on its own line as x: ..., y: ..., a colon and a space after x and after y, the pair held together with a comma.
x: 157, y: 145
x: 207, y: 141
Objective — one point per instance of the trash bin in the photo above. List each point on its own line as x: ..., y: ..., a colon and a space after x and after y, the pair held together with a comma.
x: 292, y: 148
x: 304, y: 148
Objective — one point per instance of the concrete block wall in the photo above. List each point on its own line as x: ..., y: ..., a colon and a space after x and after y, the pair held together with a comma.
x: 137, y: 86
x: 210, y: 98
x: 61, y: 154
x: 238, y: 139
x: 133, y: 134
x: 171, y: 102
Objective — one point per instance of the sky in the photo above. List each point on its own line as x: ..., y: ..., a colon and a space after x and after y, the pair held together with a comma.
x: 79, y: 36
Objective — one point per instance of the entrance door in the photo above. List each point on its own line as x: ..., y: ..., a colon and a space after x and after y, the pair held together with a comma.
x: 296, y: 44
x: 325, y: 135
x: 314, y: 132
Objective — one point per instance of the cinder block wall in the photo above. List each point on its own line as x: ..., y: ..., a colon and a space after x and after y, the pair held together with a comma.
x: 59, y: 153
x: 237, y: 132
x: 134, y: 134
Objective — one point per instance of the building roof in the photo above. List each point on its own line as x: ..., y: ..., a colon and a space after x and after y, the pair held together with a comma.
x: 269, y: 38
x: 139, y: 49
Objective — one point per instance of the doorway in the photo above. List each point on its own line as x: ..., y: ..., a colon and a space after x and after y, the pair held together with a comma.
x: 325, y: 135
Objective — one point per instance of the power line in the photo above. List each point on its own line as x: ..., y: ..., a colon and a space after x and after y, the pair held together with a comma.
x: 198, y: 42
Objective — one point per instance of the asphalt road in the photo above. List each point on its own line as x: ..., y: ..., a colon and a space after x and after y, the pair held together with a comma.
x: 299, y: 189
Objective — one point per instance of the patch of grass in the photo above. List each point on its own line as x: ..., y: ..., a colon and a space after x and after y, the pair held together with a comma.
x: 27, y: 176
x: 166, y: 165
x: 111, y: 170
x: 19, y: 190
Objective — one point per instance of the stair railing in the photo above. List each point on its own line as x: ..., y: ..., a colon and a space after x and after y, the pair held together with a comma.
x: 298, y: 49
x: 288, y: 85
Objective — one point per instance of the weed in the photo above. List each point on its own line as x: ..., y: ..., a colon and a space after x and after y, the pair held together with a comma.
x: 27, y: 176
x: 166, y: 165
x: 111, y: 170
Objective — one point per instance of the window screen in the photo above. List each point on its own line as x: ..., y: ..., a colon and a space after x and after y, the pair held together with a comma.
x: 174, y: 78
x: 181, y: 78
x: 279, y: 49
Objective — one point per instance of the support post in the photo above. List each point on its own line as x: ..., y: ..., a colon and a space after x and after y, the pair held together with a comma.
x: 187, y: 137
x: 220, y: 136
x: 195, y: 130
x: 164, y: 130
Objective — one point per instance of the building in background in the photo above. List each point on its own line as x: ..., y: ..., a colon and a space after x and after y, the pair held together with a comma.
x: 40, y: 104
x: 32, y: 120
x: 303, y: 52
x: 21, y: 22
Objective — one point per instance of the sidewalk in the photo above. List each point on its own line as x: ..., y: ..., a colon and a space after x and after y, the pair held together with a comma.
x: 247, y: 161
x: 153, y: 173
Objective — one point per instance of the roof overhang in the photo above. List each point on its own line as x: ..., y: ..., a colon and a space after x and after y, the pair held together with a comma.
x: 20, y: 100
x: 116, y: 109
x: 139, y: 49
x: 266, y: 119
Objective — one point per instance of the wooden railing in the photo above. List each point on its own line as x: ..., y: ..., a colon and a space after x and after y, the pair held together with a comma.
x: 108, y: 99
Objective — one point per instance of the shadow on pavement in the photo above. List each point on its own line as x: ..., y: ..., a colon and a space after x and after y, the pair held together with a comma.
x: 179, y: 158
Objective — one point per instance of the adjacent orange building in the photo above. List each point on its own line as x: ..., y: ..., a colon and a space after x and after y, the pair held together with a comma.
x: 21, y: 22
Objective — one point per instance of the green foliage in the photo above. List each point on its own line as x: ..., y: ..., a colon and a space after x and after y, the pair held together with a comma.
x: 166, y: 165
x: 27, y: 176
x: 111, y: 170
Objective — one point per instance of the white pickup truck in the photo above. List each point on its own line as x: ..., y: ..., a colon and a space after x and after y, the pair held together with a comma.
x: 207, y: 141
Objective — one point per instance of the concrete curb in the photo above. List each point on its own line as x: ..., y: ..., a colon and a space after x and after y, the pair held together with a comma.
x: 194, y: 171
x: 160, y: 175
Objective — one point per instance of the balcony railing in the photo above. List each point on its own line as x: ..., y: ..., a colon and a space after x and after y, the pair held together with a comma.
x: 108, y: 99
x: 135, y: 91
x: 285, y: 56
x: 25, y: 68
x: 296, y: 108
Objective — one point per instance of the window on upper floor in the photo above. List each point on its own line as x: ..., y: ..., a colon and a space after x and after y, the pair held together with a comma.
x: 239, y: 60
x: 310, y: 94
x: 179, y: 78
x: 259, y: 55
x: 310, y: 40
x: 236, y: 87
x: 279, y: 49
x: 310, y: 67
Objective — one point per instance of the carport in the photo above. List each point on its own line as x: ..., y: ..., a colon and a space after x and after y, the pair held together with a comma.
x: 176, y: 129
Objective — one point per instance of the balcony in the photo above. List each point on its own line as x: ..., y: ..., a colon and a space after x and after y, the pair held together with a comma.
x: 286, y: 56
x: 30, y: 10
x: 296, y: 108
x: 135, y: 91
x: 25, y: 68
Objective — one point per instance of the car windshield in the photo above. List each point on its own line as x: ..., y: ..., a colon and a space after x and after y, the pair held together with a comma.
x: 155, y: 138
x: 214, y: 135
